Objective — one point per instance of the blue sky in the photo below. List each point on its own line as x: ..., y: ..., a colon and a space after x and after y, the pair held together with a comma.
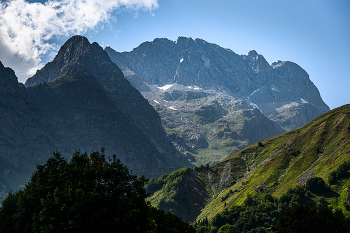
x: 313, y: 34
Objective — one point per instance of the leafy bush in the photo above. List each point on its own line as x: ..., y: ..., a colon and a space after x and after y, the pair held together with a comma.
x: 340, y: 173
x: 295, y: 152
x: 268, y: 198
x: 316, y: 185
x: 227, y: 195
x: 293, y: 194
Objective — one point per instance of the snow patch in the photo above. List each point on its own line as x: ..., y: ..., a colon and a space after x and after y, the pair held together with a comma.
x: 254, y: 92
x: 303, y: 101
x: 172, y: 108
x: 195, y: 87
x: 156, y: 101
x: 250, y: 102
x: 165, y: 87
x: 255, y: 106
x: 181, y: 60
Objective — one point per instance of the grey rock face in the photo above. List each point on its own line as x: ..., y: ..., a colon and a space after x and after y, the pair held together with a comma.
x: 196, y: 62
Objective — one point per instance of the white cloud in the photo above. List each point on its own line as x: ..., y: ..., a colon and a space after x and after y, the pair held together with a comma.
x: 27, y: 29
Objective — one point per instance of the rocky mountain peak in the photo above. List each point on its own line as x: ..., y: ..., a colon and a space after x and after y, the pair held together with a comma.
x: 78, y: 48
x: 200, y: 41
x: 252, y: 53
x: 289, y: 69
x: 8, y: 73
x: 257, y: 62
x: 73, y: 48
x: 182, y: 42
x: 162, y: 41
x: 293, y: 74
x: 76, y: 54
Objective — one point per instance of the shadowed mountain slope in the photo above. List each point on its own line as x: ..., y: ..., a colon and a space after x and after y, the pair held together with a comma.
x: 24, y: 135
x: 78, y: 54
x: 80, y: 100
x: 84, y: 116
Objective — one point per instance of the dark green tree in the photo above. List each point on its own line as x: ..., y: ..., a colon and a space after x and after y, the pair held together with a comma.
x: 341, y: 172
x: 316, y: 185
x: 86, y: 194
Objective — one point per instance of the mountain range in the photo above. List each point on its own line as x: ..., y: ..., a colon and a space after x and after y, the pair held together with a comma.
x: 214, y: 102
x: 169, y: 105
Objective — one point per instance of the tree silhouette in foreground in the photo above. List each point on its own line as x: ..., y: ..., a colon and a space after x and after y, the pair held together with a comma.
x: 307, y: 218
x: 85, y: 194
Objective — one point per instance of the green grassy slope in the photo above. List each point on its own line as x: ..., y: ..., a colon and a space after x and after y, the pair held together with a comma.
x: 275, y: 165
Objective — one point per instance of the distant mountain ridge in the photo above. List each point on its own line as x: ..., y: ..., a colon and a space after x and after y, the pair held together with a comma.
x: 196, y: 62
x: 191, y: 81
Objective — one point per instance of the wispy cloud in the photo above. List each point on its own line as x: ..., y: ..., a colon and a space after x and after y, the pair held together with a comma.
x: 28, y: 29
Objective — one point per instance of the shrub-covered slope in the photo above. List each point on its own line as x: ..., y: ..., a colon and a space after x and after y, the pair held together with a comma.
x: 271, y: 166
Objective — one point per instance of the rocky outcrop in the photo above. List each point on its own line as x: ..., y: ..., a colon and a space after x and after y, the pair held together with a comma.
x: 225, y: 178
